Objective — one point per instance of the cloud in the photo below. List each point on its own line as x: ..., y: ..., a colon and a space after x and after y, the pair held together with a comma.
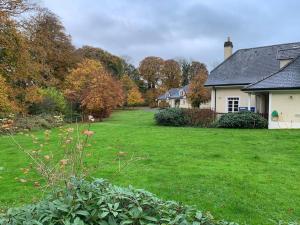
x: 174, y: 28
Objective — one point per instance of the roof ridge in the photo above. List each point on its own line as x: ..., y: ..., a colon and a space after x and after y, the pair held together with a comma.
x: 285, y: 49
x: 267, y: 46
x: 281, y: 69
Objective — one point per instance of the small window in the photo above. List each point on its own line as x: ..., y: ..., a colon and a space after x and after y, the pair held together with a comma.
x: 181, y: 93
x: 233, y: 104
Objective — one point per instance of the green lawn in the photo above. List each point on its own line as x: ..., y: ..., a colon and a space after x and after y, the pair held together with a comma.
x: 250, y: 176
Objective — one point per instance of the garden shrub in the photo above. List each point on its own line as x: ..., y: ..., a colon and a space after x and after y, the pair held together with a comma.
x: 185, y: 117
x: 53, y: 102
x: 99, y: 202
x: 14, y: 124
x: 200, y: 117
x: 163, y: 105
x: 171, y: 117
x: 242, y: 120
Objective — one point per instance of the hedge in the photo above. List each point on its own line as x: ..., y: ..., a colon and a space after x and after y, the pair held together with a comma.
x: 185, y: 117
x: 242, y: 120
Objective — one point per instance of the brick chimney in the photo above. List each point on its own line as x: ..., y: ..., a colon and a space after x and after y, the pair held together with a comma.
x: 228, y: 46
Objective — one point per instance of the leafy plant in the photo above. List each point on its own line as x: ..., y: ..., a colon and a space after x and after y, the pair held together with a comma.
x: 171, y: 117
x: 99, y: 202
x: 12, y: 124
x: 200, y: 117
x: 242, y: 120
x: 185, y: 117
x: 67, y: 162
x: 52, y: 102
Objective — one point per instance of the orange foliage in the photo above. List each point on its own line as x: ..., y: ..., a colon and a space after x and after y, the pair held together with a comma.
x: 134, y: 97
x: 97, y: 92
x: 4, y: 100
x: 197, y: 93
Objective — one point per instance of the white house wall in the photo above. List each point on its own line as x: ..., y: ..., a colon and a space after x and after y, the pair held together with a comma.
x: 287, y: 104
x: 222, y: 93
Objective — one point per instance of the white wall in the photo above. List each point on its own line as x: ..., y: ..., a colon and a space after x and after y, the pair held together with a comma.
x: 222, y: 93
x: 287, y: 104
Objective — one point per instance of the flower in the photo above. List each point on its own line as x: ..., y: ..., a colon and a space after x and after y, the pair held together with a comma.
x: 70, y: 129
x: 88, y: 132
x: 120, y: 154
x: 91, y: 118
x: 63, y: 162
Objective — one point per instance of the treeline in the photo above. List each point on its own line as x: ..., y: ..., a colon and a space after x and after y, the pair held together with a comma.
x: 42, y: 72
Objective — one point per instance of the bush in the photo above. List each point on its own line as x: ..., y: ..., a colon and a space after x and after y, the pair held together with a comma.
x: 102, y: 203
x: 242, y: 120
x: 171, y: 117
x: 12, y: 124
x: 163, y: 105
x: 200, y: 117
x: 185, y: 117
x: 53, y: 102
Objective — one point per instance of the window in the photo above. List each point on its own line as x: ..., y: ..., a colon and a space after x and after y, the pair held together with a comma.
x: 233, y: 104
x: 181, y: 93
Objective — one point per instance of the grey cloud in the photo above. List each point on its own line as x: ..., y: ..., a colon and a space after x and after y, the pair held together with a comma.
x: 174, y: 28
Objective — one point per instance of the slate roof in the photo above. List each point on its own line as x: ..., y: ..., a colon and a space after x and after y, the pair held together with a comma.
x: 290, y: 53
x: 286, y: 78
x: 174, y: 93
x: 247, y: 66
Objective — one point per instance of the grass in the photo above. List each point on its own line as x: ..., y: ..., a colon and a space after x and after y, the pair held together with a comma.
x: 247, y: 176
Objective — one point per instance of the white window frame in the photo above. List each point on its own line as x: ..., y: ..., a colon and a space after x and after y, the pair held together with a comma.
x: 227, y: 98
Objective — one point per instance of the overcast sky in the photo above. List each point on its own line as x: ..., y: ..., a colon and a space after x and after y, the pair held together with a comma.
x: 194, y: 29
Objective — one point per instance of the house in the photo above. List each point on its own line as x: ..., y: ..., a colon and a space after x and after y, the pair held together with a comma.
x: 264, y: 79
x: 177, y: 98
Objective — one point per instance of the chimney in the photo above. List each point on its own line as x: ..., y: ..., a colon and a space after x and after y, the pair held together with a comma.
x: 228, y: 46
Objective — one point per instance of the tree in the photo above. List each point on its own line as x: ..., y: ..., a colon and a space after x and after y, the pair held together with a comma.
x: 185, y: 71
x: 134, y: 97
x: 133, y: 73
x: 197, y: 93
x: 50, y: 47
x: 114, y: 64
x: 127, y: 83
x: 151, y: 71
x: 171, y: 74
x: 189, y: 70
x: 15, y: 7
x: 94, y: 89
x: 5, y: 104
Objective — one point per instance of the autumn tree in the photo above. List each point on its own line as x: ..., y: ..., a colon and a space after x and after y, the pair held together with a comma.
x: 133, y: 73
x: 151, y: 71
x: 16, y: 64
x: 50, y: 47
x: 5, y: 104
x: 134, y: 97
x: 94, y: 89
x: 15, y: 7
x: 114, y: 64
x: 171, y: 74
x: 198, y: 93
x: 189, y: 70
